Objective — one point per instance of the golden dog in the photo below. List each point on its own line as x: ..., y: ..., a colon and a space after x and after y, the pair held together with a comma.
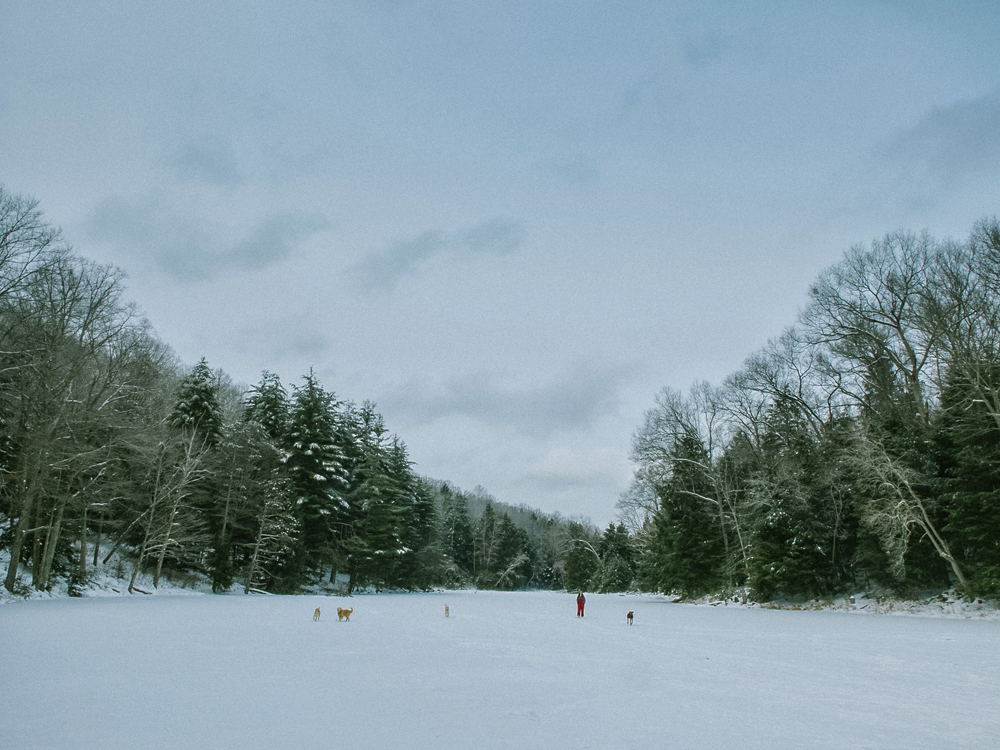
x: 446, y: 610
x: 344, y: 614
x: 316, y: 614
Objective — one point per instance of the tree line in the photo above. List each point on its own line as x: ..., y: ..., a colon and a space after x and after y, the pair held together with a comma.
x: 492, y: 545
x: 110, y: 449
x: 860, y: 448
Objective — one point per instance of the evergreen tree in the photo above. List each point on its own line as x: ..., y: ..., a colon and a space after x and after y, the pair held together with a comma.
x: 790, y: 547
x: 382, y: 501
x: 738, y: 465
x: 267, y: 405
x: 617, y: 560
x: 247, y: 462
x: 197, y: 416
x: 420, y: 562
x: 485, y: 543
x: 197, y: 406
x: 837, y: 502
x: 272, y: 559
x: 377, y: 548
x: 968, y: 444
x: 315, y: 467
x: 513, y: 564
x: 545, y: 558
x: 456, y: 535
x: 893, y: 417
x: 581, y: 561
x: 685, y: 551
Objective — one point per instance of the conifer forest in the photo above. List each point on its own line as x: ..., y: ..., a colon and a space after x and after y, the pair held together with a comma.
x: 860, y: 449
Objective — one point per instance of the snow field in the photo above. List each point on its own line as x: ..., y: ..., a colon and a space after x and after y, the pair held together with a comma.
x: 506, y: 670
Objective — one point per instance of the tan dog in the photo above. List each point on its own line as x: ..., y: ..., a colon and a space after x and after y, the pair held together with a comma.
x: 316, y: 614
x: 344, y: 614
x: 446, y: 610
x: 629, y: 617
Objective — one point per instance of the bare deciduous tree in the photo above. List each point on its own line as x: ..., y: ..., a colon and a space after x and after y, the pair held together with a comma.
x: 894, y: 507
x: 702, y: 415
x: 871, y: 307
x: 964, y: 305
x: 66, y: 338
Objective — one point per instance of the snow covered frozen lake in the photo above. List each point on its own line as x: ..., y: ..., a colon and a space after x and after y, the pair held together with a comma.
x: 506, y: 670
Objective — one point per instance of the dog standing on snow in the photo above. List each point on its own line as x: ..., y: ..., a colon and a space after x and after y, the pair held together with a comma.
x: 446, y: 610
x: 316, y: 614
x: 344, y: 614
x: 629, y: 617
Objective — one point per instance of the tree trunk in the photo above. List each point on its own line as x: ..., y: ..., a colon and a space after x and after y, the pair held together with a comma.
x: 725, y: 541
x: 940, y: 545
x: 150, y: 512
x: 97, y: 539
x: 138, y: 565
x: 26, y: 496
x: 225, y: 512
x: 20, y: 533
x: 890, y: 476
x: 36, y: 543
x: 36, y: 552
x: 739, y: 538
x: 166, y: 541
x: 124, y: 534
x: 253, y: 560
x: 49, y: 550
x: 83, y: 544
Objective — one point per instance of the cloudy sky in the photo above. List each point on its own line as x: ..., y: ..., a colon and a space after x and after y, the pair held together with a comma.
x: 507, y: 223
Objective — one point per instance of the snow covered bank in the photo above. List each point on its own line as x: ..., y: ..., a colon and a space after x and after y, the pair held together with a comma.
x: 947, y: 604
x: 111, y: 579
x: 505, y: 670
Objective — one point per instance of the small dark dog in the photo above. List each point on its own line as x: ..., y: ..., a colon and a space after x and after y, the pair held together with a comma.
x: 629, y: 617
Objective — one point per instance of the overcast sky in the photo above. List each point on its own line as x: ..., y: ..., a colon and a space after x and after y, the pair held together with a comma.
x: 509, y: 224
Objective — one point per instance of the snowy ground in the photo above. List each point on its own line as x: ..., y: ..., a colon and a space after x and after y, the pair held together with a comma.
x: 514, y: 670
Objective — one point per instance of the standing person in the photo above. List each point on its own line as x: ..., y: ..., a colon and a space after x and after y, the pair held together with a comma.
x: 580, y: 601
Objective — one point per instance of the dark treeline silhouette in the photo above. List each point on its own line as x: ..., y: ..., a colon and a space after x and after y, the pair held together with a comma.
x: 109, y: 449
x: 861, y: 448
x: 492, y: 545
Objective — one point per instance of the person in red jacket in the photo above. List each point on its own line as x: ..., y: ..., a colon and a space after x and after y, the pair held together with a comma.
x: 580, y: 601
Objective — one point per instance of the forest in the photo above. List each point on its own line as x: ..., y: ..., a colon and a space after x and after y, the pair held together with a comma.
x: 113, y: 453
x: 860, y: 449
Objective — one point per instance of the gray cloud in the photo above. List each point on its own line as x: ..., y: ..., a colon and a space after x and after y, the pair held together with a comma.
x: 282, y: 340
x: 950, y: 142
x: 208, y: 160
x: 571, y: 402
x: 575, y: 170
x: 274, y: 239
x: 490, y: 237
x: 702, y: 49
x: 189, y: 249
x: 577, y: 496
